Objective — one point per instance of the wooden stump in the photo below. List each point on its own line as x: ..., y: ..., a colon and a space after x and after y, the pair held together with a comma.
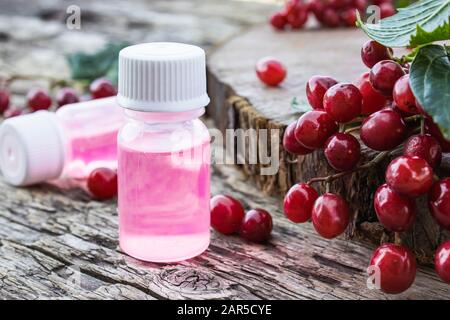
x: 239, y: 100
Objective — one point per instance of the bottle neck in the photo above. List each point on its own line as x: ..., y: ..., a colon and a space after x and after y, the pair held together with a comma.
x: 163, y: 117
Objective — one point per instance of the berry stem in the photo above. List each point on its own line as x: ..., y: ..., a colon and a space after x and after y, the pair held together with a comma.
x: 413, y: 118
x: 352, y: 129
x: 397, y: 238
x: 380, y: 157
x: 290, y: 160
x: 422, y: 125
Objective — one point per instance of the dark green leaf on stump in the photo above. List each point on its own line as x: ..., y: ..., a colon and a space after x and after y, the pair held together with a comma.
x: 423, y: 22
x: 300, y: 106
x: 430, y: 83
x: 100, y: 64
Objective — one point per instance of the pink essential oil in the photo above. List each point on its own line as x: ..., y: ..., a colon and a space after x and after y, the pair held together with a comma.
x: 91, y: 128
x: 163, y: 153
x: 70, y: 142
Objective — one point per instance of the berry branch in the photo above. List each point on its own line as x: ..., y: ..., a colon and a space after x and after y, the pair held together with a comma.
x: 384, y: 111
x: 380, y: 157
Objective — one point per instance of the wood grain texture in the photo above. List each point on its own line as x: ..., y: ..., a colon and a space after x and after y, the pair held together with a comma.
x: 50, y: 237
x: 240, y: 100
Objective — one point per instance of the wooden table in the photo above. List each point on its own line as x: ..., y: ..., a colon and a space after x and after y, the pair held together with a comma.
x: 52, y: 239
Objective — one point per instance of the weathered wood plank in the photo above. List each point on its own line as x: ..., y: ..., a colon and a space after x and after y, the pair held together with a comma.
x: 46, y: 233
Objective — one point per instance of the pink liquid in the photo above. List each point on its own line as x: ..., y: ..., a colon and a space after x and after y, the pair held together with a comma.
x: 102, y: 146
x: 90, y: 152
x: 164, y: 203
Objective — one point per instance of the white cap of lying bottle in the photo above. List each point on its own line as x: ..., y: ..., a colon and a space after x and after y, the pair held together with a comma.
x: 32, y: 148
x: 162, y: 77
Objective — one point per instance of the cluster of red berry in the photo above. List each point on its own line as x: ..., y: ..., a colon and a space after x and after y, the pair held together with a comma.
x: 329, y: 13
x: 40, y: 99
x: 383, y: 108
x: 228, y: 217
x: 102, y: 182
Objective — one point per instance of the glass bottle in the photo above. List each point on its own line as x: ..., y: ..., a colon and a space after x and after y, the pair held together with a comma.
x: 72, y: 141
x: 163, y: 152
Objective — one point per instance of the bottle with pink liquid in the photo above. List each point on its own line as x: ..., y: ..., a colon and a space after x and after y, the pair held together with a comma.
x: 72, y: 141
x: 163, y: 152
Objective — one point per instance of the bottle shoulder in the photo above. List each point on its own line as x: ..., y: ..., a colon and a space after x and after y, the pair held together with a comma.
x: 98, y: 114
x: 163, y: 137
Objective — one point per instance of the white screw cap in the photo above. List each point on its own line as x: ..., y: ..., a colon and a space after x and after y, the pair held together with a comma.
x: 162, y: 77
x: 32, y: 148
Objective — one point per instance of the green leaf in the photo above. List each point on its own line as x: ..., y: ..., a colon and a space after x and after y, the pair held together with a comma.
x: 430, y: 83
x: 301, y: 106
x: 421, y: 23
x: 100, y: 64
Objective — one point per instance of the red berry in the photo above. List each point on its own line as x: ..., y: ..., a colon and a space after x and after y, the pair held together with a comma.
x: 442, y: 261
x: 330, y: 18
x: 102, y: 183
x: 330, y: 215
x: 439, y: 202
x: 296, y: 13
x: 102, y: 88
x: 339, y: 4
x: 383, y: 130
x: 372, y: 100
x: 409, y: 176
x: 361, y: 5
x: 404, y: 97
x: 386, y: 10
x: 348, y: 17
x: 378, y: 2
x: 343, y: 102
x: 314, y: 128
x: 396, y: 266
x: 292, y: 6
x: 424, y: 146
x: 395, y: 212
x: 432, y: 128
x: 291, y: 144
x: 66, y: 96
x: 403, y: 114
x: 270, y: 71
x: 38, y: 99
x: 13, y: 111
x: 342, y: 151
x: 257, y: 225
x: 406, y: 68
x: 317, y: 8
x: 278, y: 20
x: 316, y: 88
x: 227, y: 214
x: 299, y: 201
x: 384, y: 75
x: 298, y: 18
x: 4, y: 100
x: 373, y: 52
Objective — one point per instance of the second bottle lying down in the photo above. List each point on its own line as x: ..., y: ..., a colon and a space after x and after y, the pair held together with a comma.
x: 70, y: 142
x: 163, y: 152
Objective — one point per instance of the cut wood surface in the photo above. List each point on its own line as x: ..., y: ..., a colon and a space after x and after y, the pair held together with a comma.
x: 52, y: 239
x: 240, y: 100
